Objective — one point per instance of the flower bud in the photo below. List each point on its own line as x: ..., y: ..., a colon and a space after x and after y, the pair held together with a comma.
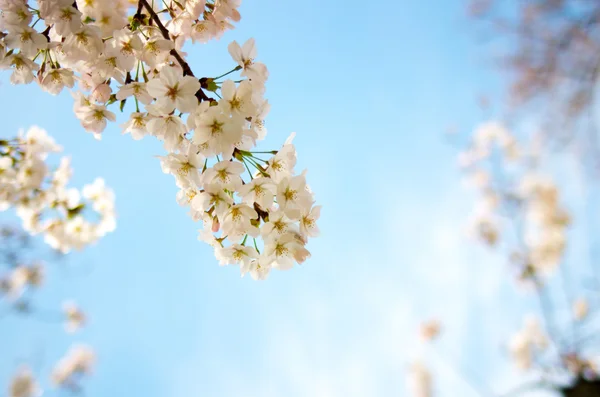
x: 101, y: 93
x: 215, y: 225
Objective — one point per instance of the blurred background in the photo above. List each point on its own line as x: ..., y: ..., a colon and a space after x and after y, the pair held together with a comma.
x: 383, y: 98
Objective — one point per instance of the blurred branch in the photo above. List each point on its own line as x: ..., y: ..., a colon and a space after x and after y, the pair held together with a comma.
x: 550, y: 50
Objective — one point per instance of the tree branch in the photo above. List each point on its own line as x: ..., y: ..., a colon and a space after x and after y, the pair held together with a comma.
x: 187, y: 71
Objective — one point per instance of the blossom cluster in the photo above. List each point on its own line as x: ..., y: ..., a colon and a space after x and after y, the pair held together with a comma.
x: 43, y: 200
x: 118, y: 51
x: 419, y: 378
x: 517, y: 202
x: 547, y: 222
x: 67, y: 374
x: 76, y: 363
x: 21, y: 277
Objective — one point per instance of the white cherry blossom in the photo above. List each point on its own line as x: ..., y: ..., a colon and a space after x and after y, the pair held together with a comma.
x: 174, y: 91
x: 244, y: 56
x: 129, y: 55
x: 225, y: 174
x: 284, y: 251
x: 260, y: 190
x: 237, y: 222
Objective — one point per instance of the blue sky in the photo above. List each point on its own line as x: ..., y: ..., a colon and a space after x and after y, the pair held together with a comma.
x: 370, y: 91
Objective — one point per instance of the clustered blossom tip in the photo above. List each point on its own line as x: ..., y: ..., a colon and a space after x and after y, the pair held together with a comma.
x: 123, y: 53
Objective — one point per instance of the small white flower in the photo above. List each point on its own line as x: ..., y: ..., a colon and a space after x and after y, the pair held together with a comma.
x: 65, y: 18
x: 308, y: 221
x: 170, y: 129
x: 85, y: 44
x: 237, y: 100
x: 244, y: 56
x: 237, y: 254
x: 293, y: 197
x: 260, y: 190
x: 225, y: 174
x: 185, y: 167
x: 195, y: 8
x: 278, y: 225
x: 155, y: 49
x: 237, y: 222
x: 138, y: 90
x: 258, y: 268
x: 284, y: 251
x: 23, y: 68
x: 213, y: 195
x: 94, y: 117
x: 215, y: 129
x: 172, y: 90
x: 136, y: 125
x: 15, y: 14
x: 204, y: 30
x: 55, y: 80
x: 282, y: 164
x: 26, y: 39
x: 124, y: 46
x: 258, y: 121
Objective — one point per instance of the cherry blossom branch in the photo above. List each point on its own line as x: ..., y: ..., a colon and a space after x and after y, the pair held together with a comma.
x: 208, y: 141
x: 187, y: 70
x: 59, y: 218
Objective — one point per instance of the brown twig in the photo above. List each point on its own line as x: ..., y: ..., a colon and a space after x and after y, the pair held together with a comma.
x: 46, y: 33
x: 187, y: 71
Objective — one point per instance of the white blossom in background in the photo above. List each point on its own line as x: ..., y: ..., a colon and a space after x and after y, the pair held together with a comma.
x: 67, y: 218
x: 21, y: 277
x: 430, y: 330
x: 419, y: 381
x: 77, y: 363
x: 511, y: 188
x: 545, y: 231
x: 23, y: 384
x: 127, y: 54
x: 527, y: 342
x: 43, y: 200
x: 521, y: 213
x: 75, y: 318
x: 581, y: 309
